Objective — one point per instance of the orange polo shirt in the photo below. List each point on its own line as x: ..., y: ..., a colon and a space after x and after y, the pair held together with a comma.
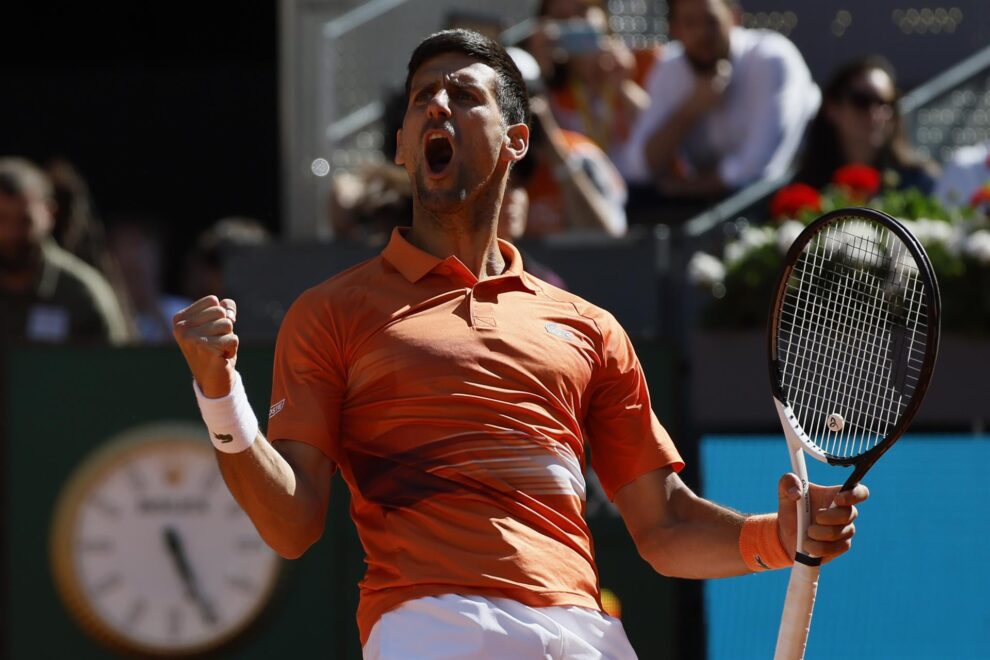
x: 458, y: 412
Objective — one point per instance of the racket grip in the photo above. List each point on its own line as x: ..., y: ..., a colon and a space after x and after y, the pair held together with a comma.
x: 795, y: 622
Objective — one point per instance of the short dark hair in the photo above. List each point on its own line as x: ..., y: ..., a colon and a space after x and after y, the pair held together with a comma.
x: 510, y: 89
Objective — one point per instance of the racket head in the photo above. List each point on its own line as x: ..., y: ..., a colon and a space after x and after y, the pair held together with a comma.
x: 853, y: 335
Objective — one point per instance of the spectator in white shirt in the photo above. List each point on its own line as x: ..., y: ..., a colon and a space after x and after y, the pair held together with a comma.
x: 729, y: 105
x: 967, y: 171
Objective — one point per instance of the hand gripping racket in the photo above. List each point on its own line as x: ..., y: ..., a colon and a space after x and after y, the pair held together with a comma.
x: 853, y: 336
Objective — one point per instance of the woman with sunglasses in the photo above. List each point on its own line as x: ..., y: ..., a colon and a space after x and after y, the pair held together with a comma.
x: 859, y: 123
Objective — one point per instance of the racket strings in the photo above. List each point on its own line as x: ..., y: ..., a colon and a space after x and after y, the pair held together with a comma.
x: 851, y: 336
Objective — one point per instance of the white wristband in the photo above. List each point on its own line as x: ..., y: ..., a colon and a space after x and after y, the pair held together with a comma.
x: 230, y: 421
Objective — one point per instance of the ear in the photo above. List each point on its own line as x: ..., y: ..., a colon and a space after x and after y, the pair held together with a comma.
x: 516, y: 142
x: 399, y: 160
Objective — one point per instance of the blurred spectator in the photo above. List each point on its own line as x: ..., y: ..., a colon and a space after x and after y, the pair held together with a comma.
x: 76, y: 228
x: 592, y: 78
x: 46, y: 293
x: 203, y: 274
x: 366, y: 206
x: 137, y: 248
x: 79, y: 231
x: 571, y: 184
x: 574, y: 186
x: 859, y: 123
x: 513, y: 216
x: 729, y: 105
x: 966, y: 177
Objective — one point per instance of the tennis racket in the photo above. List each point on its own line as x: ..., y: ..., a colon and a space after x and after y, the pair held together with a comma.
x: 853, y: 337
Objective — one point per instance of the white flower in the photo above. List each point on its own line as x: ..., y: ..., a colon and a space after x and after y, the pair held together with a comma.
x: 936, y: 232
x: 750, y: 240
x: 787, y: 233
x: 977, y: 246
x: 705, y: 270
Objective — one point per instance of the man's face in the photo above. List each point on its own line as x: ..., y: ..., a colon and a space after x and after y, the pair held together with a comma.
x: 23, y: 223
x: 453, y: 136
x: 703, y: 27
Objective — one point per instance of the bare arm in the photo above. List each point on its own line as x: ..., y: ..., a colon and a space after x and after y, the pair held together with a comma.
x: 662, y: 146
x: 284, y: 489
x: 584, y: 206
x: 683, y: 535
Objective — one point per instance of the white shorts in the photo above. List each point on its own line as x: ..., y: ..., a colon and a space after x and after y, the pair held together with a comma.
x: 454, y: 626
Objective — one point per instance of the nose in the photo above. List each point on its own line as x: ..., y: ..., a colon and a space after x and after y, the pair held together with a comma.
x: 439, y: 105
x: 880, y: 112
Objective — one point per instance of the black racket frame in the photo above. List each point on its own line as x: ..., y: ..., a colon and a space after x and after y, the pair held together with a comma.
x: 863, y: 462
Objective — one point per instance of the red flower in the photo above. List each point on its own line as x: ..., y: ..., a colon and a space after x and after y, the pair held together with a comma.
x: 859, y: 181
x: 790, y: 200
x: 981, y: 198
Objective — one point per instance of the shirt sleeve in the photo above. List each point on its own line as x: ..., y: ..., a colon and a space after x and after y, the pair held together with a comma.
x: 308, y: 380
x: 624, y: 434
x: 780, y: 98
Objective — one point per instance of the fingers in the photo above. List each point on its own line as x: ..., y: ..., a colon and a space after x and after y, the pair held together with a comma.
x: 207, y: 326
x: 833, y: 529
x: 859, y: 493
x: 789, y: 488
x: 231, y: 309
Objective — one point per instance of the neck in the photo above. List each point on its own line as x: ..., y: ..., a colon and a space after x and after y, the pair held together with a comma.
x: 860, y: 151
x: 469, y: 233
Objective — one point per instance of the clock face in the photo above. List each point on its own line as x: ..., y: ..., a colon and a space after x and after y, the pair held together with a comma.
x: 152, y: 553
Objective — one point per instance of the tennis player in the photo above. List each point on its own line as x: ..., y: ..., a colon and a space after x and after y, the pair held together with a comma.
x: 457, y: 395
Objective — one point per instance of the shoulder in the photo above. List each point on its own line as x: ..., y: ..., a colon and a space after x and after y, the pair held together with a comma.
x: 606, y: 323
x: 670, y: 66
x: 75, y: 274
x: 345, y: 290
x: 765, y: 44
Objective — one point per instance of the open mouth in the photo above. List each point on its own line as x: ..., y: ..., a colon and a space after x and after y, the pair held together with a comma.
x: 439, y: 151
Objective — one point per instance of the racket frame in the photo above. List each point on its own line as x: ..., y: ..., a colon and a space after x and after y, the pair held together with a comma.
x: 802, y: 587
x: 861, y: 462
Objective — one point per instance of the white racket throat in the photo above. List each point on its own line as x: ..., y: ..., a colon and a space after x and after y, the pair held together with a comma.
x: 794, y: 433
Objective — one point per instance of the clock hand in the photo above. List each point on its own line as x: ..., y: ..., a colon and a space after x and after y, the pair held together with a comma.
x: 176, y: 550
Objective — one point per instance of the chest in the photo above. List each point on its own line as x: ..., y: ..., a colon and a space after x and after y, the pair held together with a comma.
x: 507, y: 345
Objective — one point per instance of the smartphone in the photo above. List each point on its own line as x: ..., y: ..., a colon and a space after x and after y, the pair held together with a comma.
x: 577, y: 37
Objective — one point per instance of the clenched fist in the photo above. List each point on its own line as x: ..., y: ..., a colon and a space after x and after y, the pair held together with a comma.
x: 205, y: 334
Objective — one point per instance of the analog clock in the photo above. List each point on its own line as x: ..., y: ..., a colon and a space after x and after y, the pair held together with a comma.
x: 150, y: 552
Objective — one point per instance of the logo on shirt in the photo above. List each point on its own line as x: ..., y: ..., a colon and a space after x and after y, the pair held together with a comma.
x: 558, y: 330
x: 276, y: 409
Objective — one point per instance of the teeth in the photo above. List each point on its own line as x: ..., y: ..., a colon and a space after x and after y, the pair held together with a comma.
x: 437, y: 137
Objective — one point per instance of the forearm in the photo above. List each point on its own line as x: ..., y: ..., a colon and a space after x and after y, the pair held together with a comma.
x: 287, y: 509
x: 584, y: 206
x: 701, y: 540
x: 661, y: 147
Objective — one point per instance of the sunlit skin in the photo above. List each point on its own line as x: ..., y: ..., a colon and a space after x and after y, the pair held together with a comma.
x: 455, y: 208
x: 863, y: 131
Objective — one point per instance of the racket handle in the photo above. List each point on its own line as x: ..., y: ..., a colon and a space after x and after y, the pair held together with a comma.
x: 795, y: 622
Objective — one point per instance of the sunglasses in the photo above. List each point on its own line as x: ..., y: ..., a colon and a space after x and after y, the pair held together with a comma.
x: 865, y: 100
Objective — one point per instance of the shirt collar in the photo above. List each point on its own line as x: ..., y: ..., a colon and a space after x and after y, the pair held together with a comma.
x: 414, y: 264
